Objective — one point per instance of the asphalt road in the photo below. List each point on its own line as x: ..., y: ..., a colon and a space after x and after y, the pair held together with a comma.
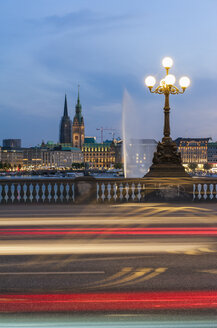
x: 109, y: 250
x: 77, y: 274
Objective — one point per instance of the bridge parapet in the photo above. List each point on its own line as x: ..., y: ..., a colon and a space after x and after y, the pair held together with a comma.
x: 88, y: 190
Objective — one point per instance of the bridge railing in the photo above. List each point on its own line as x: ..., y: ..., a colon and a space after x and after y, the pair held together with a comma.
x: 153, y: 189
x: 117, y: 190
x: 205, y: 189
x: 36, y: 191
x: 120, y: 190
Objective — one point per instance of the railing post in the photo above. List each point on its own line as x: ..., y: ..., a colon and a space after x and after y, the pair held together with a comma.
x: 85, y: 190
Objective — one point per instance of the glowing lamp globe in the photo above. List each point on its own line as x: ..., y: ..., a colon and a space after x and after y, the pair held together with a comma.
x: 184, y: 82
x: 162, y: 82
x: 150, y: 81
x: 167, y: 62
x: 170, y: 79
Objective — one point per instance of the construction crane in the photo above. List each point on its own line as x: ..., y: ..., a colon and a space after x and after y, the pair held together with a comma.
x: 103, y: 129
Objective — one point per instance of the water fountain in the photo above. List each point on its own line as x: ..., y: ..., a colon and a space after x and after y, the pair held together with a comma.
x: 137, y: 151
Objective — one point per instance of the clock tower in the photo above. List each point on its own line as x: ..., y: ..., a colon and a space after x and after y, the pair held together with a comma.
x: 78, y: 126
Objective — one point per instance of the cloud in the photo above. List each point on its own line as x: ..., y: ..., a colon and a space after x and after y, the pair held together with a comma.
x: 105, y: 48
x: 77, y: 21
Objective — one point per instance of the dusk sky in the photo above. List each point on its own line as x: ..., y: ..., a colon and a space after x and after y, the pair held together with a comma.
x: 49, y: 46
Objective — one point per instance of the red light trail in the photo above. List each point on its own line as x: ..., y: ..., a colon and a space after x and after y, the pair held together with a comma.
x: 108, y: 301
x: 194, y: 231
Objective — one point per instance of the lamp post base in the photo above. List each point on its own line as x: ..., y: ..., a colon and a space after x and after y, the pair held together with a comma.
x: 167, y: 161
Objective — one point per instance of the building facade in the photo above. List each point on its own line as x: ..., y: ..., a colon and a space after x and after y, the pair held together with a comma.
x: 99, y: 155
x: 65, y: 158
x: 12, y: 143
x: 58, y: 157
x: 14, y: 157
x: 32, y: 157
x: 193, y: 150
x: 78, y: 126
x: 119, y: 158
x: 212, y: 153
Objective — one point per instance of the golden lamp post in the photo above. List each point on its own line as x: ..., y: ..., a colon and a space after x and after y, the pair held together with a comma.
x: 167, y: 160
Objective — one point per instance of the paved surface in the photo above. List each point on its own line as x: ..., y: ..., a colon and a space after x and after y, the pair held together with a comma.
x: 108, y: 249
x: 202, y: 213
x: 57, y: 274
x: 60, y: 248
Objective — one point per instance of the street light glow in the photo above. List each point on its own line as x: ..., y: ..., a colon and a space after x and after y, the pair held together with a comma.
x: 184, y: 82
x: 167, y: 62
x: 170, y: 79
x: 150, y: 81
x: 167, y: 153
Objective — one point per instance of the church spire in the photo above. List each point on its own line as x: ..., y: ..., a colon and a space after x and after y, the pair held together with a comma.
x: 78, y: 105
x: 65, y: 107
x: 78, y: 124
x: 78, y: 101
x: 65, y: 125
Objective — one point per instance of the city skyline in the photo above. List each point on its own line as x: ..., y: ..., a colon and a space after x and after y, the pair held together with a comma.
x: 50, y: 47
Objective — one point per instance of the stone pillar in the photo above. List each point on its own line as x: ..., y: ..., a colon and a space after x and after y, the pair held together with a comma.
x: 85, y: 190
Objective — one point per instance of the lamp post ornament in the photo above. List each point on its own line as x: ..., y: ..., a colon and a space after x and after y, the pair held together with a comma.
x: 167, y: 160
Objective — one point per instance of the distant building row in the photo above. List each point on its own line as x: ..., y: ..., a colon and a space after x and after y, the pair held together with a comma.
x: 74, y: 147
x: 57, y: 156
x: 40, y: 157
x: 139, y: 153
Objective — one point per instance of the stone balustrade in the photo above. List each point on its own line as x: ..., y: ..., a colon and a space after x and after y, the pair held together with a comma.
x: 144, y: 190
x: 205, y: 189
x: 120, y: 190
x: 89, y: 190
x: 36, y: 191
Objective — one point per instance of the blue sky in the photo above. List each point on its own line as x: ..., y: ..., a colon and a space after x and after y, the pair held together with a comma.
x: 49, y: 46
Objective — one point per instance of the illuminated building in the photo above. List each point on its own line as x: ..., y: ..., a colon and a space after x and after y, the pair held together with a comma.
x: 193, y: 150
x: 99, y: 155
x: 32, y: 157
x: 14, y: 157
x: 65, y: 158
x: 56, y: 157
x: 78, y: 126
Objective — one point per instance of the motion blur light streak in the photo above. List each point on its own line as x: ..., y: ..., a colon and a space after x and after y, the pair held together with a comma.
x: 108, y: 301
x: 116, y: 264
x: 112, y: 231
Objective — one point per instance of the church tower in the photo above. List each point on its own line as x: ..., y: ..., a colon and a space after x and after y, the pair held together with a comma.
x: 78, y: 126
x: 65, y: 126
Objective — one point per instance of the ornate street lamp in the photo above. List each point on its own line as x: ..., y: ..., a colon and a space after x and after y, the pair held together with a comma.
x: 167, y: 160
